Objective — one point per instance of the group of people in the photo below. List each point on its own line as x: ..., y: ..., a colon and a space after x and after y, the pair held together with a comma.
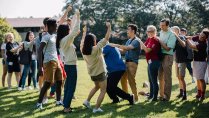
x: 51, y: 60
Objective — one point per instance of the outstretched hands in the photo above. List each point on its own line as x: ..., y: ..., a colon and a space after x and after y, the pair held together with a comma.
x: 108, y: 24
x: 77, y: 12
x: 69, y: 8
x: 85, y: 29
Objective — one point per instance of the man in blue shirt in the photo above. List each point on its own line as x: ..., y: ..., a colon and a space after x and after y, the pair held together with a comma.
x: 116, y: 68
x: 132, y: 52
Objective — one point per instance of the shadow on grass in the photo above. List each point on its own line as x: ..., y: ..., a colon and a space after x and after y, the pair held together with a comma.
x: 23, y: 105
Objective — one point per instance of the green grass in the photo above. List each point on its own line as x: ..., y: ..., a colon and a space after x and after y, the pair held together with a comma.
x: 15, y: 103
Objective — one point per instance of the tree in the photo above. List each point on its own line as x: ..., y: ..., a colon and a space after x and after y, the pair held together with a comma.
x: 190, y: 14
x: 5, y: 28
x: 199, y: 10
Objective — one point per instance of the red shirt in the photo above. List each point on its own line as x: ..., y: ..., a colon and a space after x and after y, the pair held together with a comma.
x: 154, y: 44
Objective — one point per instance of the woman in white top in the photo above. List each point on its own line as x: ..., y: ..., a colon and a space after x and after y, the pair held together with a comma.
x: 92, y: 54
x: 65, y: 44
x: 4, y: 63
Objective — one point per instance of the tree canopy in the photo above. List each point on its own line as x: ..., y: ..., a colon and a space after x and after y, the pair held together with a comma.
x: 190, y: 14
x: 5, y: 28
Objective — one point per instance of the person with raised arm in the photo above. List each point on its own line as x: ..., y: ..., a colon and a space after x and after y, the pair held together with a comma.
x: 65, y: 44
x: 199, y: 45
x: 181, y: 59
x: 92, y: 54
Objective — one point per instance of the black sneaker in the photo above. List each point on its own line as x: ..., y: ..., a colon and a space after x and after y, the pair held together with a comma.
x: 184, y: 98
x: 149, y: 97
x: 164, y: 100
x: 179, y: 96
x: 131, y: 100
x: 154, y: 99
x: 201, y: 98
x: 115, y: 101
x: 197, y: 97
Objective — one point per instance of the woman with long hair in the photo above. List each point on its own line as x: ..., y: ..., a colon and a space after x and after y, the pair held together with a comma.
x: 64, y: 43
x: 92, y: 54
x: 28, y: 46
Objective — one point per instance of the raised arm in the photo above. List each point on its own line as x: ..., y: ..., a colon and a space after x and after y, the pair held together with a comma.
x: 71, y: 36
x: 107, y: 36
x: 190, y: 44
x: 83, y: 37
x: 182, y: 43
x: 63, y: 18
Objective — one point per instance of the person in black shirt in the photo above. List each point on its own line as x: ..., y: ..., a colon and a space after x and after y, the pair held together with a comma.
x: 12, y: 50
x: 181, y: 59
x: 189, y: 54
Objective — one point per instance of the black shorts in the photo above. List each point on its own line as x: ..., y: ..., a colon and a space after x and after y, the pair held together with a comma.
x: 13, y: 67
x: 3, y: 62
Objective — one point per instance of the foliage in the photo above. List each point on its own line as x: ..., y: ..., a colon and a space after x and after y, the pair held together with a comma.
x: 5, y: 28
x: 190, y: 14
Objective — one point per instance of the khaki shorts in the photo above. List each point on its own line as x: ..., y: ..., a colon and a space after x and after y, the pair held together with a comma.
x: 199, y: 69
x: 180, y: 69
x: 52, y: 71
x: 101, y: 77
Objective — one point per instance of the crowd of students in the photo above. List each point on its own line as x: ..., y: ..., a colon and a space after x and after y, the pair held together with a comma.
x: 51, y: 60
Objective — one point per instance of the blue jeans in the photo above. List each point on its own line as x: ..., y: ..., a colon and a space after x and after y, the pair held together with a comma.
x: 27, y: 67
x: 25, y: 72
x: 70, y: 84
x: 33, y: 67
x: 152, y: 74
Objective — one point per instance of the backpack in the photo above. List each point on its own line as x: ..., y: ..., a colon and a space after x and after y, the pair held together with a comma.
x: 25, y: 56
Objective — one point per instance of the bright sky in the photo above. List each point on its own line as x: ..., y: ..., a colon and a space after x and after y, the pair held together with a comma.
x: 27, y: 8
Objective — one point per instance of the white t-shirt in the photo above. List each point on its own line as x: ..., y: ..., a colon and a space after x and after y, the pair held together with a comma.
x: 50, y: 50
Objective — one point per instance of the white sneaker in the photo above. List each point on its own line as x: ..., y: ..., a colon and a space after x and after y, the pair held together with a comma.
x: 45, y: 101
x: 23, y: 89
x: 36, y: 88
x: 59, y: 103
x: 87, y: 104
x: 97, y: 110
x: 19, y: 88
x: 30, y: 88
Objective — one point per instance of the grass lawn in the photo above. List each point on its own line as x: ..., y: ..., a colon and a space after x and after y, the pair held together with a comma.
x: 14, y: 103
